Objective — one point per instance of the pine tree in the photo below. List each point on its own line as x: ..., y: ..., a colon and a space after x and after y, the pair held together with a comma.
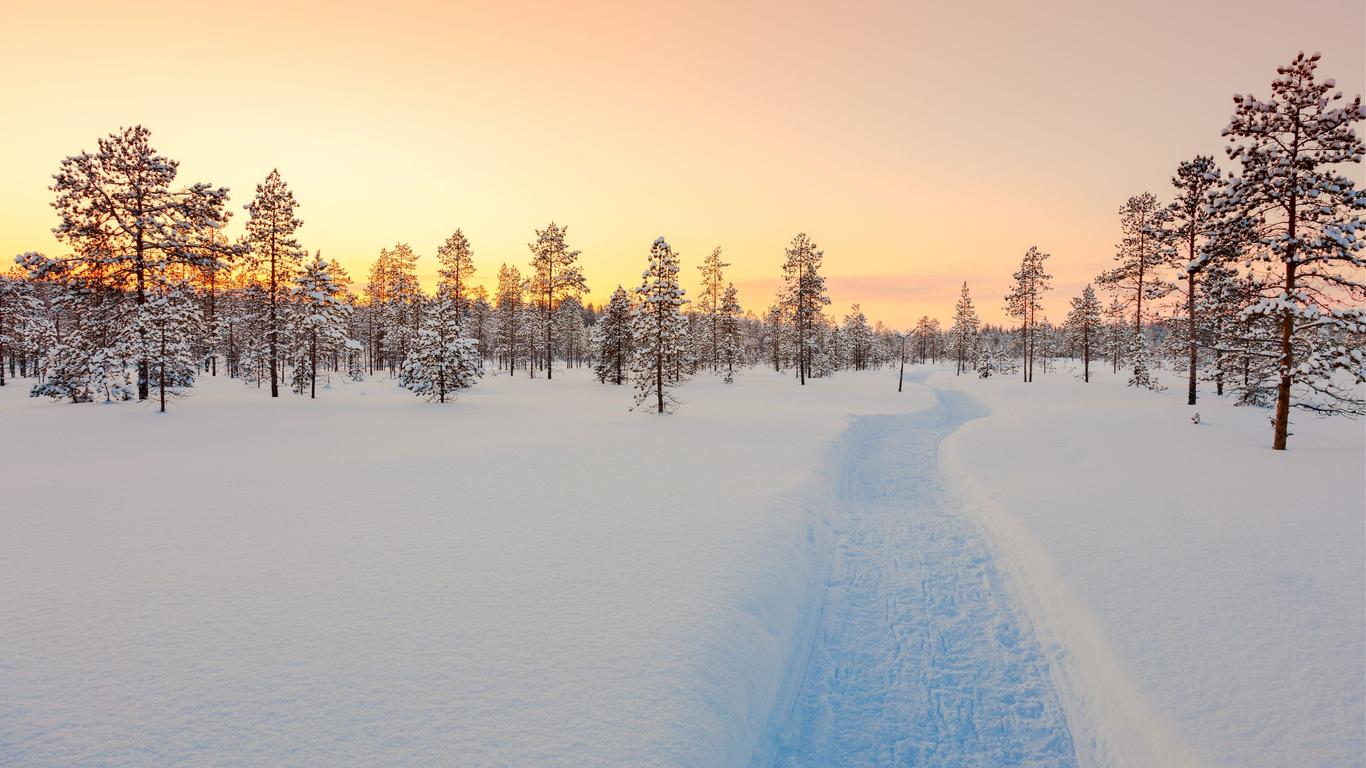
x: 510, y: 314
x: 1025, y: 301
x: 612, y: 339
x: 441, y: 360
x: 272, y: 246
x: 1083, y: 323
x: 555, y: 276
x: 857, y: 339
x: 317, y: 320
x: 657, y: 330
x: 165, y: 325
x: 804, y: 296
x: 731, y: 343
x: 1191, y: 225
x: 963, y: 335
x: 127, y: 226
x: 1307, y: 226
x: 457, y: 269
x: 709, y: 303
x: 1139, y: 256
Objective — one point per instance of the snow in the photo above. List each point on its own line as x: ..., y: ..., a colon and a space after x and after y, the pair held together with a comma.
x: 1204, y: 594
x: 776, y: 574
x: 531, y: 575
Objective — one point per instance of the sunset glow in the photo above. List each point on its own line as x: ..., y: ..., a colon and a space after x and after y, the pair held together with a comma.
x: 919, y: 145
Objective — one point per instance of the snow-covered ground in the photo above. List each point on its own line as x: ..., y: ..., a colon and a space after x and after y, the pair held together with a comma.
x: 529, y: 576
x: 535, y: 576
x: 1205, y: 594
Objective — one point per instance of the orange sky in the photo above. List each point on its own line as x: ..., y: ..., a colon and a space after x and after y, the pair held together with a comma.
x: 918, y: 144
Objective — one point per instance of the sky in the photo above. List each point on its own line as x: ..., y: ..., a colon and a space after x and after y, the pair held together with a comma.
x: 919, y: 144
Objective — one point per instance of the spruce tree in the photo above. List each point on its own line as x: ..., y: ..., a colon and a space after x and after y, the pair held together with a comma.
x: 963, y: 335
x: 441, y: 360
x: 657, y: 330
x: 272, y: 247
x: 612, y: 339
x: 803, y: 297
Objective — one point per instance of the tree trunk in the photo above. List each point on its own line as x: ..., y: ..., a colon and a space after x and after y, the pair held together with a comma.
x: 1190, y: 329
x: 313, y: 365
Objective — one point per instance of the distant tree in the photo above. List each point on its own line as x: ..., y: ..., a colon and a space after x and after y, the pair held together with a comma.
x: 657, y: 329
x: 732, y: 341
x: 317, y: 318
x: 1084, y: 323
x: 272, y: 246
x: 612, y: 339
x: 442, y: 360
x: 555, y: 275
x: 925, y: 332
x: 804, y: 297
x: 510, y: 315
x: 1307, y: 229
x: 165, y: 325
x: 457, y: 269
x: 857, y: 338
x: 963, y: 335
x: 1024, y: 302
x: 1190, y: 229
x: 1139, y: 255
x: 709, y: 303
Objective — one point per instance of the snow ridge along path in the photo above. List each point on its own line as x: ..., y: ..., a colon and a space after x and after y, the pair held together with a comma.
x: 923, y: 655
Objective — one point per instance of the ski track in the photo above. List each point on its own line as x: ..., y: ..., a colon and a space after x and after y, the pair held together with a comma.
x: 922, y: 655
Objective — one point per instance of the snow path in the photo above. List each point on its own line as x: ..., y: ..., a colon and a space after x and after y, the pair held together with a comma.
x: 922, y: 656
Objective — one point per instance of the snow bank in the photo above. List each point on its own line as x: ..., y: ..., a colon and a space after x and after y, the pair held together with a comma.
x: 1204, y: 594
x: 529, y: 576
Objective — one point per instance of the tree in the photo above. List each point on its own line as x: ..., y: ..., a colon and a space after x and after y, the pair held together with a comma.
x: 509, y: 314
x: 317, y: 318
x: 1025, y: 300
x: 713, y: 276
x: 1307, y: 224
x: 127, y: 225
x: 964, y: 332
x: 657, y: 329
x: 441, y: 360
x: 925, y: 332
x: 270, y: 239
x: 1083, y: 322
x: 1191, y: 224
x: 857, y: 339
x: 732, y: 343
x: 555, y: 276
x: 804, y: 296
x: 612, y: 339
x: 457, y: 269
x: 1139, y: 256
x: 165, y: 324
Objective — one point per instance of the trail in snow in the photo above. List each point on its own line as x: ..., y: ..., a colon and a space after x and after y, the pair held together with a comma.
x: 922, y: 656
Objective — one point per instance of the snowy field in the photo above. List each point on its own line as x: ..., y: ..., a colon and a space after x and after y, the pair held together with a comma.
x: 1051, y: 574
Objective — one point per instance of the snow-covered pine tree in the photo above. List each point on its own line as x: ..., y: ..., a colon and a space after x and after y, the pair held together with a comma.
x: 555, y: 276
x: 612, y: 339
x: 457, y: 269
x: 1308, y: 227
x: 856, y: 339
x: 166, y: 324
x: 317, y: 320
x: 272, y: 247
x: 709, y: 303
x: 127, y: 226
x: 1140, y: 356
x: 1024, y: 302
x: 441, y: 360
x: 1189, y: 229
x: 657, y: 330
x: 1083, y: 324
x: 803, y: 297
x: 731, y: 342
x: 963, y: 335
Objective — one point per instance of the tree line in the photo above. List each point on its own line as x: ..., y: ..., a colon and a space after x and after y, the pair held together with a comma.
x: 1251, y: 279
